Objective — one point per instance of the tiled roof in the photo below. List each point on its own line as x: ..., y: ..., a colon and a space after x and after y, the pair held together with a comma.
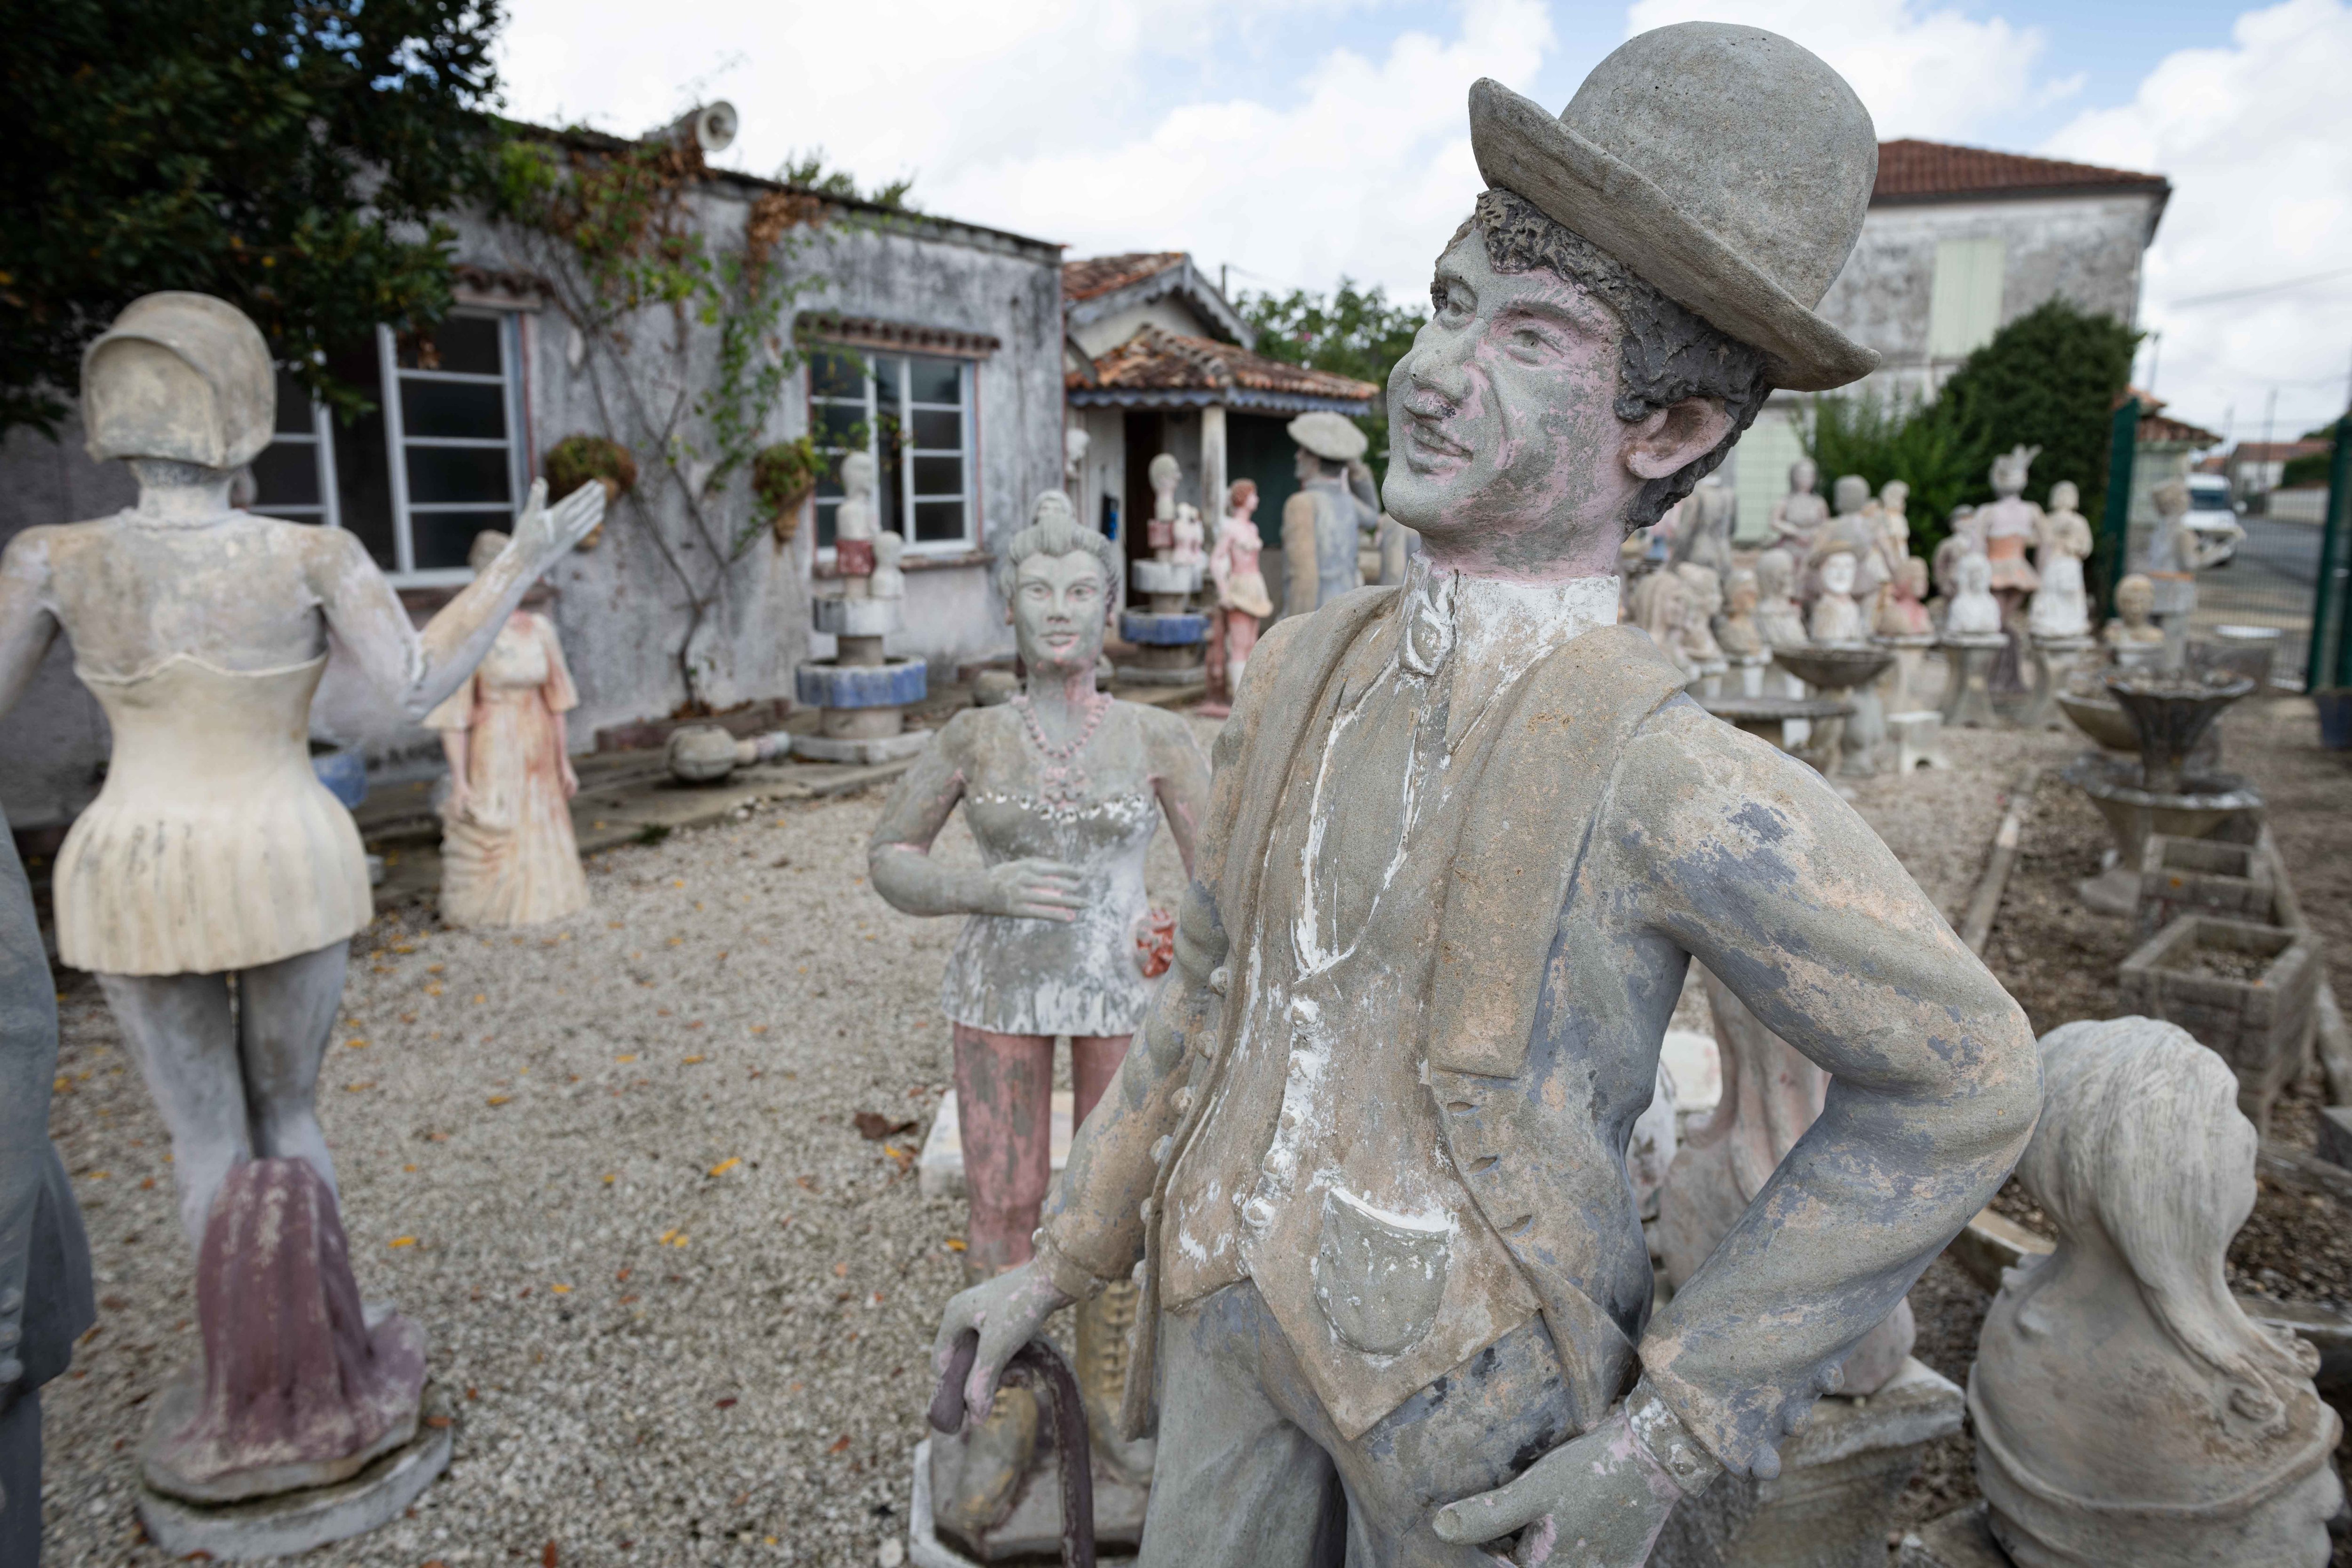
x: 1102, y: 274
x: 2277, y: 451
x: 2164, y: 427
x: 1926, y: 171
x: 1155, y: 359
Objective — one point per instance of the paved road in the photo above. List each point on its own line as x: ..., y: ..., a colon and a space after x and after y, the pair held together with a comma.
x: 2269, y: 584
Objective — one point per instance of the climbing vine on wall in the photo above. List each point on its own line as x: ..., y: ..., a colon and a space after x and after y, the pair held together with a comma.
x: 683, y: 336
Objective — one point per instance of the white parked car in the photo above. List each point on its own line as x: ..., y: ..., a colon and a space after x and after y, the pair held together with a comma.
x: 2214, y: 518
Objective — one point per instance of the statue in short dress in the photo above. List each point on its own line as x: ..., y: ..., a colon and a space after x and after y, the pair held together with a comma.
x: 1464, y: 838
x: 2061, y: 608
x: 2126, y: 1409
x: 214, y: 886
x: 1241, y: 597
x: 509, y: 857
x: 1797, y: 516
x: 1064, y: 788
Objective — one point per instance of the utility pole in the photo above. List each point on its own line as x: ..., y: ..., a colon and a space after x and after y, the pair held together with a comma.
x: 2155, y: 351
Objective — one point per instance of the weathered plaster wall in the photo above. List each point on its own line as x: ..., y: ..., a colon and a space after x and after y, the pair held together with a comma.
x: 2083, y: 249
x: 618, y: 608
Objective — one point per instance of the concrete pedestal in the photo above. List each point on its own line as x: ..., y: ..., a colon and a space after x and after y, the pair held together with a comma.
x: 1840, y: 1473
x: 1902, y: 688
x: 1968, y: 681
x: 293, y: 1523
x: 1172, y: 645
x: 1918, y: 739
x: 2054, y: 659
x: 863, y: 704
x: 1159, y: 577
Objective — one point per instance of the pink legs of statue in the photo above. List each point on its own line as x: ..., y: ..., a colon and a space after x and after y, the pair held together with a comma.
x: 1005, y: 1089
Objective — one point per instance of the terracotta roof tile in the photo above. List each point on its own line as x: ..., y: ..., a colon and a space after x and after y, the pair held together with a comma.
x: 1155, y: 359
x: 1917, y: 171
x: 1102, y: 274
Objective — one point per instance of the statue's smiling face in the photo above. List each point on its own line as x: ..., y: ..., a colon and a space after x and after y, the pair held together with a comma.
x: 1502, y: 415
x: 1059, y: 605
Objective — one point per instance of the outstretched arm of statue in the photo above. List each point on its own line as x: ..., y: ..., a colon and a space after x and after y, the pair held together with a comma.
x: 26, y: 627
x: 420, y: 668
x: 1180, y: 777
x: 1747, y: 862
x: 899, y: 855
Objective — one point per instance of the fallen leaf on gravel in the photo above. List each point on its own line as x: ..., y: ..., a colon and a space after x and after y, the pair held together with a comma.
x: 622, y: 1277
x: 148, y: 1184
x: 955, y: 1244
x: 900, y: 1156
x: 876, y: 1127
x: 561, y: 1290
x: 355, y: 1087
x: 690, y: 1061
x: 547, y: 1555
x: 841, y: 1270
x: 480, y: 997
x: 839, y: 1444
x: 758, y: 1029
x: 437, y: 1421
x: 630, y: 1057
x: 402, y: 1241
x: 729, y: 1405
x: 726, y: 1165
x: 501, y: 1098
x: 354, y: 1045
x: 611, y: 1178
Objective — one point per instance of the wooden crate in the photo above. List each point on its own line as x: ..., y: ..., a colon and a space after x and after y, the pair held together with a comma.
x: 2261, y: 1027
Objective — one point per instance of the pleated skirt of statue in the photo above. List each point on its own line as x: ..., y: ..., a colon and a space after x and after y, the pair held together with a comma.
x: 512, y: 859
x: 213, y: 846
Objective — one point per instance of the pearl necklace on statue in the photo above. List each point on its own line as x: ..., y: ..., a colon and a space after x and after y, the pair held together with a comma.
x: 1061, y: 782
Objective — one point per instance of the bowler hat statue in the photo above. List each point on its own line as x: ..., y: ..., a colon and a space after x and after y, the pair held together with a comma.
x: 1727, y: 165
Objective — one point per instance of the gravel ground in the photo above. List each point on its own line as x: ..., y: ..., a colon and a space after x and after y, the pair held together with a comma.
x: 611, y: 1166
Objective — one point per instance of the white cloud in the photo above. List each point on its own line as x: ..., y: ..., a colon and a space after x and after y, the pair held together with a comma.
x: 1937, y: 74
x: 2257, y: 141
x: 1364, y: 170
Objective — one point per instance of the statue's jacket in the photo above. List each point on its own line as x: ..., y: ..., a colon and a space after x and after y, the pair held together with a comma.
x: 1595, y: 830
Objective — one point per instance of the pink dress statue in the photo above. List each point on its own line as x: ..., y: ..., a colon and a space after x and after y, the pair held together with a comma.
x: 1242, y: 599
x: 507, y: 854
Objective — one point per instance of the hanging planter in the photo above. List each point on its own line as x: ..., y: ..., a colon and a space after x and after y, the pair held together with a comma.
x: 577, y: 459
x: 782, y: 477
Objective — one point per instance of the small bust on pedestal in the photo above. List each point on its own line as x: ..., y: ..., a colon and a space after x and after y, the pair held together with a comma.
x: 1836, y: 618
x: 1901, y: 612
x: 2126, y: 1409
x: 1974, y: 612
x: 1777, y: 615
x: 2133, y: 640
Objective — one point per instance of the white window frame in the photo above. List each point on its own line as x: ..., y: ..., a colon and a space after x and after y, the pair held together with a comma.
x: 968, y: 388
x: 322, y: 435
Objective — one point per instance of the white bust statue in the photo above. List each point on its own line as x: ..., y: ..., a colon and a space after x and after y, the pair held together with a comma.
x: 1075, y: 442
x: 1836, y: 618
x: 2126, y: 1410
x: 1777, y: 615
x: 1974, y: 611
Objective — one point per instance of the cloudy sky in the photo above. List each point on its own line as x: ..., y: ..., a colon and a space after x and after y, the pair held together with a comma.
x: 1296, y: 140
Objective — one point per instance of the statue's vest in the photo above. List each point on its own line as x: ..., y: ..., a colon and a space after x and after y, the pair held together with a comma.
x: 1335, y: 539
x: 1519, y: 835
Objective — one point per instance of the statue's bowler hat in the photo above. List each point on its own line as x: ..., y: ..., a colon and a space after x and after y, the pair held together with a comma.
x: 1728, y: 166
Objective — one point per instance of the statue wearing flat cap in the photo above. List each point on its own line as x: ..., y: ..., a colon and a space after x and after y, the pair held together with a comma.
x: 1329, y: 516
x: 1464, y: 838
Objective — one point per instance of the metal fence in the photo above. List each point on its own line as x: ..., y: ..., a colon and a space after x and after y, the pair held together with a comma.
x: 2272, y: 579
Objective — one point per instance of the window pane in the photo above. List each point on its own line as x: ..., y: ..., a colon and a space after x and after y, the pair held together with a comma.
x: 293, y: 407
x: 362, y: 480
x: 938, y: 476
x: 939, y: 427
x: 467, y: 343
x: 442, y: 537
x: 827, y: 530
x: 939, y: 521
x: 934, y: 379
x: 839, y: 424
x: 889, y: 376
x: 889, y: 489
x: 286, y: 474
x: 836, y: 375
x: 472, y: 408
x: 456, y: 473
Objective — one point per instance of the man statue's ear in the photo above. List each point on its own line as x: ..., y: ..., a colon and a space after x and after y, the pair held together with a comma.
x: 1666, y: 440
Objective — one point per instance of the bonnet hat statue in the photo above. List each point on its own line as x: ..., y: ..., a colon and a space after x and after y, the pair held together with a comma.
x: 1369, y: 1146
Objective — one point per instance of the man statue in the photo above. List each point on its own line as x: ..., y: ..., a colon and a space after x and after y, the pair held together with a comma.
x: 1464, y: 838
x: 1326, y: 521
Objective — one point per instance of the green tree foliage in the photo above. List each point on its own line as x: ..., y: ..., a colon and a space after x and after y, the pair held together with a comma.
x: 1355, y: 332
x: 2312, y: 469
x: 2049, y: 379
x: 286, y: 155
x: 808, y: 172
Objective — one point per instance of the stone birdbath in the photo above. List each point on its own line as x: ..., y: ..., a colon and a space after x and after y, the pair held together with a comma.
x: 2160, y: 792
x: 1846, y: 674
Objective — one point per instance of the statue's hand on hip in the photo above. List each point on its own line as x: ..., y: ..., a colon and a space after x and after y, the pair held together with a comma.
x: 1596, y: 1502
x: 1032, y: 888
x: 543, y: 532
x: 1005, y: 1313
